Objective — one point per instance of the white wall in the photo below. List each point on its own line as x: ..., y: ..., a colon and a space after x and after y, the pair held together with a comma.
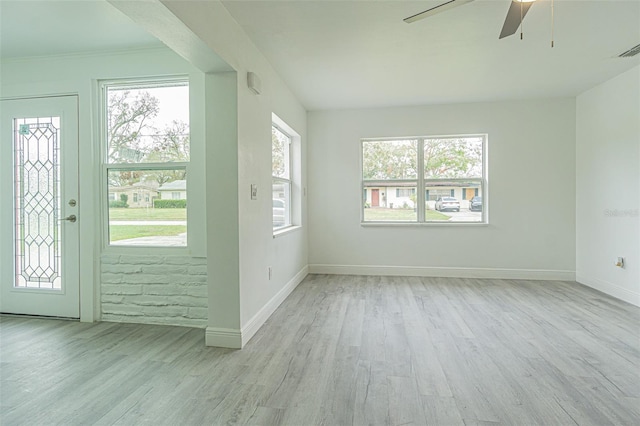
x: 79, y: 74
x: 608, y: 186
x: 257, y: 249
x: 531, y: 193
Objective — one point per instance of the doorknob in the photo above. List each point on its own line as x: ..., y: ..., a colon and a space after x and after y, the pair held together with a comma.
x: 71, y: 218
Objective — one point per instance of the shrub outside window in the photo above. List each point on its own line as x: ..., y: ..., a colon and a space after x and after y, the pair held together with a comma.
x: 145, y: 160
x: 424, y: 180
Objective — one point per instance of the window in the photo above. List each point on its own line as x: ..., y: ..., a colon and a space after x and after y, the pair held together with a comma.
x: 405, y: 192
x: 424, y: 180
x: 281, y: 177
x: 146, y: 151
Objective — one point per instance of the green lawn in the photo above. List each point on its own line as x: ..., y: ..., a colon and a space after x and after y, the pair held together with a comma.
x: 400, y: 215
x: 124, y: 232
x: 147, y: 214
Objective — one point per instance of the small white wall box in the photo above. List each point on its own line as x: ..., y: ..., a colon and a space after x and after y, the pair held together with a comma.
x: 254, y: 83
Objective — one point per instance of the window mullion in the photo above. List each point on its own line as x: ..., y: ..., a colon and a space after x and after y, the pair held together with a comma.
x: 420, y: 200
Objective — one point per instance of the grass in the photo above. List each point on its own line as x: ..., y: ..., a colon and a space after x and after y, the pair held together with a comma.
x: 400, y: 215
x: 147, y: 214
x: 125, y: 232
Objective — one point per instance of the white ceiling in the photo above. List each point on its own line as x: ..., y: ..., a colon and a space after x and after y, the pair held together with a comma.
x: 54, y: 27
x: 359, y: 53
x: 354, y: 54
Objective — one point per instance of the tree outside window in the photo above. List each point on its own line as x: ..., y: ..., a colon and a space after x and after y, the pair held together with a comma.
x: 427, y: 179
x: 146, y: 147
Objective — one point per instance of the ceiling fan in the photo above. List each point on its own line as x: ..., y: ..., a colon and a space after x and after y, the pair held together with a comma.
x: 517, y: 10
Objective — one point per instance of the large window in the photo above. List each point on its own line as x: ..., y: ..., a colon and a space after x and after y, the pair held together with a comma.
x: 145, y: 160
x: 281, y: 177
x: 425, y: 180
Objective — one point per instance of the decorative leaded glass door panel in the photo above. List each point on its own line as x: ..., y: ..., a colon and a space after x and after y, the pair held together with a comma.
x: 39, y: 209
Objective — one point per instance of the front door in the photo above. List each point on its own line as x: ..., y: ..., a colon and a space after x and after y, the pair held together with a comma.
x: 375, y: 197
x: 39, y: 240
x: 469, y: 193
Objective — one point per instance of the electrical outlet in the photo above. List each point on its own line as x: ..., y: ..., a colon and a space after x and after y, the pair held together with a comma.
x: 270, y: 272
x: 620, y: 262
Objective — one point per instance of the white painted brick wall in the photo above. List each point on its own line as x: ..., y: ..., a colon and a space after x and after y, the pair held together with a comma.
x: 154, y: 289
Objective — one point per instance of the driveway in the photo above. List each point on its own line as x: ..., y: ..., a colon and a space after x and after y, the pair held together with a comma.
x: 464, y: 215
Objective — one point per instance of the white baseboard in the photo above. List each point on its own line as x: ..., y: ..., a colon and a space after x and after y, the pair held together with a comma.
x: 257, y: 321
x: 611, y: 289
x: 237, y: 338
x: 426, y: 271
x: 223, y: 337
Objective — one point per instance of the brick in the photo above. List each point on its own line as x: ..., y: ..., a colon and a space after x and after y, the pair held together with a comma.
x: 109, y: 298
x: 164, y: 311
x: 111, y: 278
x: 123, y: 289
x: 117, y: 310
x: 198, y: 270
x: 198, y: 313
x: 145, y: 279
x: 198, y: 302
x: 154, y: 303
x: 197, y: 291
x: 141, y: 260
x: 109, y: 259
x: 163, y: 290
x: 188, y: 279
x: 184, y: 260
x: 121, y: 269
x: 164, y: 270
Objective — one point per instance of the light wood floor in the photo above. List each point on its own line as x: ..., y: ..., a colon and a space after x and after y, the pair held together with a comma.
x: 345, y: 350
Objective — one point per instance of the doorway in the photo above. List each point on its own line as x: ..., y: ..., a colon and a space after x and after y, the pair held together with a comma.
x: 39, y: 234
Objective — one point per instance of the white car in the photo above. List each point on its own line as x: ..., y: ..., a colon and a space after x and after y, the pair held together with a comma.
x: 447, y: 203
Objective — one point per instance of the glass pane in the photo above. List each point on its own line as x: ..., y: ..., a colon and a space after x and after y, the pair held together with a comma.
x: 147, y: 207
x: 453, y: 158
x: 453, y: 201
x: 37, y: 203
x: 396, y: 159
x: 395, y: 203
x: 280, y: 143
x: 281, y: 200
x: 148, y: 124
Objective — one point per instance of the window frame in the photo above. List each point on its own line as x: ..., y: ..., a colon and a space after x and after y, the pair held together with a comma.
x: 287, y: 182
x: 422, y: 183
x: 106, y: 166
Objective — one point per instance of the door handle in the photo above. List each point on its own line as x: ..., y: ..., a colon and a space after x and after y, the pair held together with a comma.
x: 71, y: 218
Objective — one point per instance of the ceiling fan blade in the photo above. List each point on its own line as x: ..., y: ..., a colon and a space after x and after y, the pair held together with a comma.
x: 514, y: 17
x: 437, y: 9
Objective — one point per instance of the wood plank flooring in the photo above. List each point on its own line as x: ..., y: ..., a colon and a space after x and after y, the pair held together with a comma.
x: 344, y: 350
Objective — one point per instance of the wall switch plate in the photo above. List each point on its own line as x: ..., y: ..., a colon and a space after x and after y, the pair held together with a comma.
x: 254, y: 191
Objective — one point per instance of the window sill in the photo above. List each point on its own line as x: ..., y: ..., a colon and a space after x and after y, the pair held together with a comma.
x: 148, y: 250
x: 420, y: 224
x: 283, y: 231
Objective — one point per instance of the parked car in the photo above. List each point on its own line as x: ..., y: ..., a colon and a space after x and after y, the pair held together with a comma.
x: 475, y: 204
x: 278, y: 213
x: 447, y: 203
